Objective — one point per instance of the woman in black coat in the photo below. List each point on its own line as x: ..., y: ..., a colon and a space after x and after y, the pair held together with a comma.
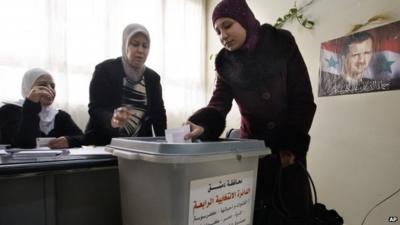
x: 261, y: 68
x: 34, y: 116
x: 125, y: 95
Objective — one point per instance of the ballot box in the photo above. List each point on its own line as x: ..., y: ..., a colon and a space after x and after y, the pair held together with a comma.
x: 187, y: 183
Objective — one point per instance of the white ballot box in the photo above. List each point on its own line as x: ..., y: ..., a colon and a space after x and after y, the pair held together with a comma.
x: 187, y: 183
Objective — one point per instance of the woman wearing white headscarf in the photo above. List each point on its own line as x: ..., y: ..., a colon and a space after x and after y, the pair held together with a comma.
x: 125, y: 95
x: 34, y: 116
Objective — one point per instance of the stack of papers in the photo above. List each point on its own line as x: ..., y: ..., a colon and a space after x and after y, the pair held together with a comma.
x: 4, y: 146
x: 47, y: 153
x: 35, y: 153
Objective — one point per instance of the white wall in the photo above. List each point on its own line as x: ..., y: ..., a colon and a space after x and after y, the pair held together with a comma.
x: 354, y: 155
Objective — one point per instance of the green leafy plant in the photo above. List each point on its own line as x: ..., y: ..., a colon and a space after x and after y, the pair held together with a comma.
x: 295, y: 13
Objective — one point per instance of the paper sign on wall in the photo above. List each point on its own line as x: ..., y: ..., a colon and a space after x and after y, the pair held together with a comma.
x: 222, y: 200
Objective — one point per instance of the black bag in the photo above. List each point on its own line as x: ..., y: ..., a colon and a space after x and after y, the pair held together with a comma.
x: 320, y: 215
x: 323, y: 216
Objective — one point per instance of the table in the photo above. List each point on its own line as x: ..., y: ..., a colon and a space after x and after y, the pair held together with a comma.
x: 78, y: 187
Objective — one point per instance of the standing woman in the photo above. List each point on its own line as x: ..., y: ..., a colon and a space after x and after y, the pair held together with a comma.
x: 34, y: 116
x: 261, y: 68
x: 125, y: 95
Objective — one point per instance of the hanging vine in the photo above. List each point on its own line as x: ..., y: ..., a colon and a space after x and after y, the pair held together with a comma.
x: 296, y: 13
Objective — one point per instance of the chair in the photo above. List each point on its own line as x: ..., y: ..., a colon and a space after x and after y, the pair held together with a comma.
x: 233, y: 133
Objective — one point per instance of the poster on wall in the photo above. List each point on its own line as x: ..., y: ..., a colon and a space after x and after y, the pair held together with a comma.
x: 366, y: 61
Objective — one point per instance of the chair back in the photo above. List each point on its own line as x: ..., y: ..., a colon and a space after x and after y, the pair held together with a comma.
x: 233, y: 133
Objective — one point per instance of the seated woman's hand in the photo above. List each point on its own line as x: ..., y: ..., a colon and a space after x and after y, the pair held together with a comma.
x: 60, y: 142
x: 38, y: 93
x: 195, y: 131
x: 120, y: 117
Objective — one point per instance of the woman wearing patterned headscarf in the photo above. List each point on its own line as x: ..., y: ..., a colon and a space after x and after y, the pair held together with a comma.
x: 125, y: 95
x: 262, y: 69
x: 34, y: 116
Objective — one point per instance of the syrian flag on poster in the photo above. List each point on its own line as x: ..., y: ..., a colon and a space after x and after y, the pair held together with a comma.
x: 329, y: 58
x: 386, y: 60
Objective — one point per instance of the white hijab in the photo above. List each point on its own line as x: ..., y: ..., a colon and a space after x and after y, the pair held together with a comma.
x: 129, y: 31
x: 48, y: 113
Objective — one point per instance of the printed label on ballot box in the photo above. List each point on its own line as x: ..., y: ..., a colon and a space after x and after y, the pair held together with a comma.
x: 222, y: 200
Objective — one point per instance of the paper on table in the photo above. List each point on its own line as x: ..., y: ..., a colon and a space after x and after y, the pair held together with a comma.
x: 36, y: 154
x: 14, y: 150
x: 176, y: 135
x: 4, y: 146
x: 99, y: 150
x: 43, y: 142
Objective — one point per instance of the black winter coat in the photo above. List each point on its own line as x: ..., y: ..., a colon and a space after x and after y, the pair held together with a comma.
x: 106, y: 96
x: 19, y: 126
x: 272, y: 88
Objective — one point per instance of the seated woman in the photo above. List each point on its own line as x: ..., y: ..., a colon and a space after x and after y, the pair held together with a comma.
x: 125, y: 95
x: 34, y: 116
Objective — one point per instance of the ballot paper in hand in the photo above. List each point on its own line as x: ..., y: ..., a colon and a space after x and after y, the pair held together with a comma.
x: 176, y: 135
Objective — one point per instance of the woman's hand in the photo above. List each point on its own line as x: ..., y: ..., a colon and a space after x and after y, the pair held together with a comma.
x: 287, y: 158
x: 41, y: 94
x: 120, y: 117
x: 60, y: 142
x: 195, y: 131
